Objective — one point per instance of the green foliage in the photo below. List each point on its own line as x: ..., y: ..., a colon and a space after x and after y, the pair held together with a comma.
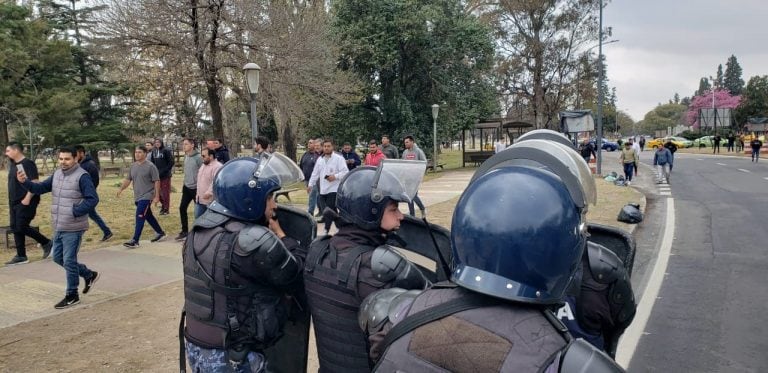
x: 411, y: 54
x: 733, y: 81
x: 754, y: 100
x: 663, y: 116
x: 703, y: 86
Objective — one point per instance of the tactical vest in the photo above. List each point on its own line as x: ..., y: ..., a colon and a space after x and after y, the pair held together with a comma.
x: 224, y: 309
x: 495, y: 338
x: 330, y: 281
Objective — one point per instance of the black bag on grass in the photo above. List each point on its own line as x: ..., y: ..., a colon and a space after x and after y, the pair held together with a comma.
x: 631, y: 214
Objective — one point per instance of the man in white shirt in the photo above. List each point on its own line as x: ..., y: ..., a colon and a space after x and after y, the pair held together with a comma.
x: 636, y: 147
x: 329, y: 169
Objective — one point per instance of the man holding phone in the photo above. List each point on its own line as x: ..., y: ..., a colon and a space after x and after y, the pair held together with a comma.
x: 23, y: 204
x: 329, y: 169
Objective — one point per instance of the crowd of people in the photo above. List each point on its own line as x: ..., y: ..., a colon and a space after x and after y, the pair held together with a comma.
x: 545, y: 300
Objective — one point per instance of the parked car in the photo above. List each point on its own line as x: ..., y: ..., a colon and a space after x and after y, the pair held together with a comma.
x: 704, y: 141
x: 678, y: 141
x: 608, y: 145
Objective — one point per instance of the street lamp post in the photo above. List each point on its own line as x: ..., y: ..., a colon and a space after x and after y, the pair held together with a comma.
x: 435, y: 110
x: 251, y: 71
x: 599, y: 140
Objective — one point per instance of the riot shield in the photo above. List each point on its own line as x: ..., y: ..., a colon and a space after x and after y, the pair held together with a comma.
x: 289, y: 354
x: 622, y: 244
x: 413, y: 236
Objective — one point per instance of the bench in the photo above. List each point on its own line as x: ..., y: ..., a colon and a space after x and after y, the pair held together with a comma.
x: 431, y: 165
x: 8, y: 235
x: 117, y: 170
x: 285, y: 193
x: 477, y: 157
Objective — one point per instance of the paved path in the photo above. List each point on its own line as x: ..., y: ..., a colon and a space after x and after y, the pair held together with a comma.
x: 29, y: 291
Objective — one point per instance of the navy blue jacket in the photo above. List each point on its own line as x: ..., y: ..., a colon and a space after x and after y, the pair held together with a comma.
x: 351, y: 155
x: 89, y: 165
x: 90, y: 198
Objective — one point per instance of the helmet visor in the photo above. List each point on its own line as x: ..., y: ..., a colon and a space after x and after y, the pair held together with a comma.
x: 398, y: 179
x: 280, y: 168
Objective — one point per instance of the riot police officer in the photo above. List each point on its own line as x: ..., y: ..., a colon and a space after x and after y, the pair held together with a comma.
x: 342, y: 270
x: 600, y: 303
x: 509, y: 271
x: 239, y: 267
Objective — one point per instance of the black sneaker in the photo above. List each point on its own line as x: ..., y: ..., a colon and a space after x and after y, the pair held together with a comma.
x: 17, y: 260
x: 181, y: 237
x: 158, y: 237
x: 69, y: 300
x: 106, y: 237
x: 89, y: 282
x: 163, y: 212
x: 131, y: 244
x: 47, y: 249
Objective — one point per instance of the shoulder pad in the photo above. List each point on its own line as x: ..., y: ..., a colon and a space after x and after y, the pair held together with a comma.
x: 605, y: 266
x: 210, y: 219
x: 254, y: 237
x: 581, y: 356
x: 383, y: 306
x: 390, y: 266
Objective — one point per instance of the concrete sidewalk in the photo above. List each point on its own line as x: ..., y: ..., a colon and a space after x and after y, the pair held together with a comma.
x: 29, y: 291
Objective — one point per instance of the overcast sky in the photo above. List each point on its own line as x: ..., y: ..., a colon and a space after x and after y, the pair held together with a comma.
x: 667, y: 46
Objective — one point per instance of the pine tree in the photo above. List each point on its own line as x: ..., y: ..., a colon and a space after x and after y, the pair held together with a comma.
x: 733, y: 81
x: 703, y: 87
x: 676, y: 99
x: 719, y: 77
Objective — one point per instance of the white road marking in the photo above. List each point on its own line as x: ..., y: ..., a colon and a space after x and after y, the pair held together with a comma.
x: 665, y: 193
x: 699, y: 159
x: 743, y: 170
x: 722, y: 164
x: 766, y: 178
x: 631, y: 338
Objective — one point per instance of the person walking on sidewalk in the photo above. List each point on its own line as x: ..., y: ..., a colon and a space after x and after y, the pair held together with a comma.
x: 661, y: 159
x: 412, y: 152
x: 755, y: 144
x: 22, y: 204
x: 627, y: 159
x: 162, y: 158
x: 307, y: 164
x: 146, y: 190
x: 90, y: 166
x: 192, y: 162
x: 329, y: 170
x: 73, y: 196
x: 205, y: 176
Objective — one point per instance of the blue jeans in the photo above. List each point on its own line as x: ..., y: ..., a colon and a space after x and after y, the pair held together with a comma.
x: 200, y: 209
x: 418, y: 202
x: 144, y: 213
x: 755, y: 154
x: 65, y: 248
x: 628, y: 169
x: 215, y: 360
x: 99, y: 221
x: 312, y: 204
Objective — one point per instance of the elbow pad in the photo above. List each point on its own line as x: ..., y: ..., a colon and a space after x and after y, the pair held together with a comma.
x: 390, y: 266
x: 272, y: 259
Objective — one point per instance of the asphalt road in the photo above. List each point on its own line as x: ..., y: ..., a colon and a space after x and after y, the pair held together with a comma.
x: 711, y: 312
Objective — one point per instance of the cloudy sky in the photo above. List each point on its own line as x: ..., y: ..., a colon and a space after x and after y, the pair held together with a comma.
x: 667, y: 46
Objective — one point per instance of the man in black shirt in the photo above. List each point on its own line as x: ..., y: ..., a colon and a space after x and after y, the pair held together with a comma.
x: 23, y: 204
x: 90, y: 166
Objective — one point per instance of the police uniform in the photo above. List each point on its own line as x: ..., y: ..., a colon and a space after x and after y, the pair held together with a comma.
x: 238, y: 274
x: 509, y: 270
x: 342, y: 270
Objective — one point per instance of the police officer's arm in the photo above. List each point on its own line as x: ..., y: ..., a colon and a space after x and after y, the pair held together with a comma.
x: 618, y: 301
x: 379, y: 312
x: 267, y: 257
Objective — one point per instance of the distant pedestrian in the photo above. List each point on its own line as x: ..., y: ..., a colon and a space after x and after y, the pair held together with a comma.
x: 162, y: 158
x: 499, y: 146
x: 261, y: 144
x: 663, y: 160
x: 638, y: 150
x: 350, y: 156
x: 329, y: 170
x: 90, y: 166
x: 627, y: 159
x: 741, y: 143
x: 642, y: 143
x: 755, y: 144
x: 146, y: 191
x: 22, y: 204
x: 412, y: 152
x: 374, y: 156
x: 716, y: 144
x: 587, y: 150
x: 389, y: 150
x: 222, y: 152
x: 307, y: 165
x: 73, y: 196
x: 731, y: 141
x: 205, y: 177
x: 192, y: 163
x: 672, y: 149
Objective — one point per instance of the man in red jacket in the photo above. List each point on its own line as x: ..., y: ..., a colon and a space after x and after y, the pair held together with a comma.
x: 374, y: 155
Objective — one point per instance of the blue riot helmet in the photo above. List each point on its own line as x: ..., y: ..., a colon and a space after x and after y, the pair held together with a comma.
x: 547, y: 134
x: 242, y: 185
x: 365, y: 191
x: 517, y: 234
x: 560, y: 159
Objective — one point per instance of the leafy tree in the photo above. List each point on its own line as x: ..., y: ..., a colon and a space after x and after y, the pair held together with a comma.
x: 663, y: 116
x: 733, y: 81
x: 411, y: 54
x: 719, y: 77
x: 703, y: 86
x: 676, y: 98
x: 754, y: 100
x: 723, y: 100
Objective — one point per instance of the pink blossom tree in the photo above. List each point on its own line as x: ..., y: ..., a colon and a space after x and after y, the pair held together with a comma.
x: 723, y: 100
